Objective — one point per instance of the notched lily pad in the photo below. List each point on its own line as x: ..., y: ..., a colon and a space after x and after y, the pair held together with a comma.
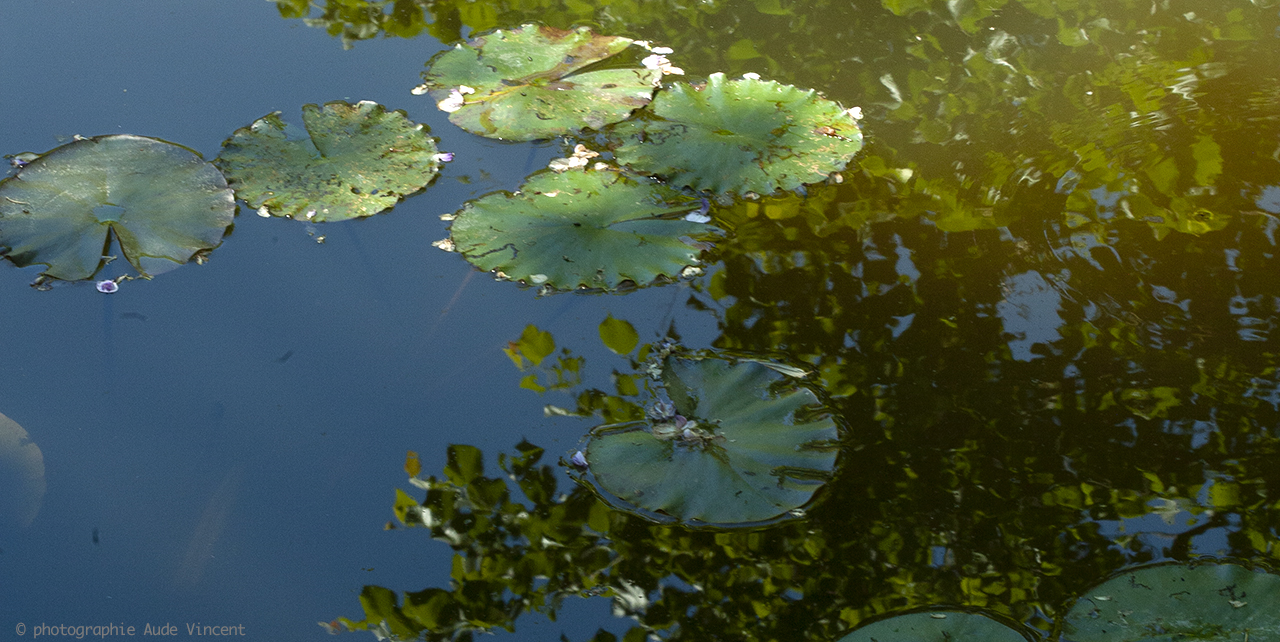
x: 1178, y: 602
x: 163, y: 203
x: 740, y: 442
x: 538, y: 82
x: 737, y: 136
x: 581, y: 229
x: 937, y: 625
x: 350, y: 161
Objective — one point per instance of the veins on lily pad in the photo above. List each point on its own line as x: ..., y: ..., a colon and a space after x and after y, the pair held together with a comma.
x: 161, y: 202
x: 740, y: 441
x: 350, y: 161
x: 538, y: 82
x: 739, y: 136
x: 579, y: 229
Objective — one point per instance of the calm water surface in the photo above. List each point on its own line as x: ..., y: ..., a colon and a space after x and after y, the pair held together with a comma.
x: 1043, y: 304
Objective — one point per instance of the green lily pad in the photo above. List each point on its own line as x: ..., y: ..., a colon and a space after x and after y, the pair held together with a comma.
x: 747, y: 135
x: 538, y: 82
x: 581, y: 229
x: 351, y: 161
x: 741, y: 442
x: 936, y: 626
x: 162, y: 202
x: 1178, y: 602
x: 21, y: 475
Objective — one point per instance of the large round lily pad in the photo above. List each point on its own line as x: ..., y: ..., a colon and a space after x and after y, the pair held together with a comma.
x: 21, y: 475
x: 351, y: 161
x: 581, y: 229
x: 747, y: 135
x: 1178, y: 602
x: 161, y: 201
x: 936, y: 626
x: 538, y: 82
x: 740, y: 443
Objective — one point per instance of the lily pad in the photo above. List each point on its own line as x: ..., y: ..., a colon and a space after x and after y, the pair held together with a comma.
x: 538, y: 82
x: 581, y: 229
x: 1178, y: 602
x: 21, y: 475
x: 740, y: 443
x: 936, y: 626
x: 161, y: 202
x: 747, y: 135
x: 351, y: 161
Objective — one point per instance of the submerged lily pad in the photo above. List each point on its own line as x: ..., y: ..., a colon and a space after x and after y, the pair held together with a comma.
x: 590, y: 229
x: 936, y: 626
x: 351, y: 161
x: 741, y: 442
x: 162, y: 202
x: 539, y: 82
x: 747, y: 135
x: 21, y: 475
x: 1178, y: 602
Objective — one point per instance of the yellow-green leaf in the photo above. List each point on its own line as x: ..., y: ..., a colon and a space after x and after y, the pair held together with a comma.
x: 618, y: 335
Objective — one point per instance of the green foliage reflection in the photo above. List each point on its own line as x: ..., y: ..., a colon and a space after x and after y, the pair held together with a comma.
x: 1044, y: 295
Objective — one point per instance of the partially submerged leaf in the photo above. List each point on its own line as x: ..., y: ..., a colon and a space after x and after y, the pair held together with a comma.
x: 589, y: 229
x: 538, y: 82
x: 938, y: 625
x: 1178, y: 602
x: 351, y: 161
x: 161, y: 201
x: 737, y: 136
x: 740, y: 443
x: 21, y: 475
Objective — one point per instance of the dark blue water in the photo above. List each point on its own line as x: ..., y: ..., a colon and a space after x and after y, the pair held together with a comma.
x: 222, y: 444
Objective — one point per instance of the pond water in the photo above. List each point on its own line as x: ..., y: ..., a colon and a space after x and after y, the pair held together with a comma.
x: 1040, y: 302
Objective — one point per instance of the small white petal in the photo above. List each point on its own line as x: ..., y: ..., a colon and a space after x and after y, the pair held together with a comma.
x: 663, y: 50
x: 453, y: 103
x: 444, y: 244
x: 751, y: 76
x: 264, y: 212
x: 419, y: 90
x: 696, y: 217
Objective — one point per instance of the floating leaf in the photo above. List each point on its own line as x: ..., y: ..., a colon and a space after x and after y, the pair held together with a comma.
x: 936, y: 626
x: 1178, y: 602
x: 21, y: 475
x: 745, y: 135
x: 618, y: 335
x: 352, y: 161
x: 161, y: 202
x: 740, y: 443
x: 539, y: 82
x: 592, y: 229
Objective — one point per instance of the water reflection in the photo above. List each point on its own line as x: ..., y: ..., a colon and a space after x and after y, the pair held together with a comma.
x: 1043, y: 300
